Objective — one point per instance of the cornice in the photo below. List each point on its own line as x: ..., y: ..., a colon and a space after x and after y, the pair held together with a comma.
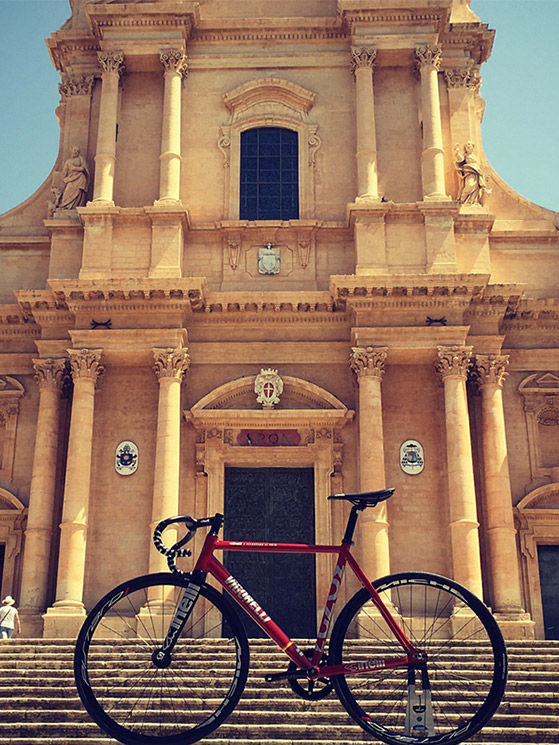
x: 272, y: 29
x: 433, y: 14
x: 107, y: 20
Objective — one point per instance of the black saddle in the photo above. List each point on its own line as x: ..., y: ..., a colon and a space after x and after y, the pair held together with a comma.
x: 367, y: 498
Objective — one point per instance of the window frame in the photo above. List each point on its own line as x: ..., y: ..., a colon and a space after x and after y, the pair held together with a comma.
x: 269, y: 102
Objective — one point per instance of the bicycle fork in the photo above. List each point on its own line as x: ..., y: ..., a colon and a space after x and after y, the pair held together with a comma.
x: 162, y: 657
x: 419, y: 708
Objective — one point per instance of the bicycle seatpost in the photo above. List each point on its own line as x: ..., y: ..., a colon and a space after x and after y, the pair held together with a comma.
x: 351, y: 523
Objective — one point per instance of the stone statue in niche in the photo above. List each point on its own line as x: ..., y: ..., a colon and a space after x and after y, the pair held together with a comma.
x: 473, y: 186
x: 75, y: 176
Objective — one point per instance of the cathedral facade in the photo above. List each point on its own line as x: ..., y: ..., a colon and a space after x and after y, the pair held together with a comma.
x: 272, y: 263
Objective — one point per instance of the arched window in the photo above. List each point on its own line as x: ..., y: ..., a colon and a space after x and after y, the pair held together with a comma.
x: 269, y: 188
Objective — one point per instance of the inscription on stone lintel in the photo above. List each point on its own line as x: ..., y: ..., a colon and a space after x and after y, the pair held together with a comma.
x: 268, y: 437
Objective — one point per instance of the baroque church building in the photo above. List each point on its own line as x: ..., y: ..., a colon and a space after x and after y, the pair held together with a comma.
x: 272, y: 263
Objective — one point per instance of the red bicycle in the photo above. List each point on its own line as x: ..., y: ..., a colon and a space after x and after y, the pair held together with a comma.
x: 413, y: 657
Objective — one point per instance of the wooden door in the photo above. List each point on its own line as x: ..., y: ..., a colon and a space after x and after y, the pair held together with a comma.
x: 548, y: 559
x: 274, y: 504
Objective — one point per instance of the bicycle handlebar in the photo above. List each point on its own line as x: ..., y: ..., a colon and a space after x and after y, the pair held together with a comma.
x: 176, y: 550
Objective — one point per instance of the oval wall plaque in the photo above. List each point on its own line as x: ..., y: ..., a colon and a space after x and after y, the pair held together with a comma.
x: 126, y: 458
x: 412, y: 459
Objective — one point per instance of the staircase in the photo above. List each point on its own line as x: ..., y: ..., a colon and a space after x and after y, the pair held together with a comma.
x: 39, y: 704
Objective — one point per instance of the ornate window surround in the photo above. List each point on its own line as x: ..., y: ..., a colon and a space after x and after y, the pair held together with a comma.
x: 269, y: 102
x: 218, y: 417
x: 537, y: 518
x: 12, y: 518
x: 540, y: 391
x: 11, y: 390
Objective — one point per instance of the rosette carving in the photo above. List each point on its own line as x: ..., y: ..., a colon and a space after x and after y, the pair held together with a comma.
x: 368, y: 361
x: 455, y: 360
x: 171, y: 363
x: 50, y: 373
x: 86, y: 363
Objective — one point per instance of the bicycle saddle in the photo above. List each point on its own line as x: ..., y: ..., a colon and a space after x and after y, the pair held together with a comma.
x: 367, y: 498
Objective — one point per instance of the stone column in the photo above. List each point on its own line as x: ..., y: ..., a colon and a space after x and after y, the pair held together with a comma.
x: 49, y: 374
x: 170, y: 368
x: 428, y: 60
x: 112, y: 65
x: 362, y: 64
x: 175, y: 66
x: 453, y: 364
x: 86, y: 368
x: 490, y: 373
x: 368, y: 365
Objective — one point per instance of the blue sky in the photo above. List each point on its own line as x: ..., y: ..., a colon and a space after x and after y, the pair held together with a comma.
x: 519, y: 84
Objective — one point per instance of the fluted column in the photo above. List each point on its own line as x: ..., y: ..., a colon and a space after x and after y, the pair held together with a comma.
x: 49, y: 374
x: 490, y: 373
x: 170, y: 368
x: 453, y: 364
x: 368, y: 365
x: 112, y: 65
x: 175, y: 66
x: 362, y: 64
x: 428, y: 60
x: 86, y: 368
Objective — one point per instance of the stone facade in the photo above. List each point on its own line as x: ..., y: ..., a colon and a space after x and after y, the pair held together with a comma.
x: 414, y: 297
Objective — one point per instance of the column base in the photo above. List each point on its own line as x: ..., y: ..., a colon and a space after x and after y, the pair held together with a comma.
x: 516, y: 626
x: 63, y: 621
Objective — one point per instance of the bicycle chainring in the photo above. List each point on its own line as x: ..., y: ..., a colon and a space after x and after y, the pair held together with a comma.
x: 311, y: 690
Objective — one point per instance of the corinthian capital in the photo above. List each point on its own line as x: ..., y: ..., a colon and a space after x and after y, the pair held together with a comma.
x: 49, y: 373
x: 490, y: 369
x: 368, y: 361
x: 76, y: 85
x: 111, y: 62
x: 453, y: 361
x: 463, y: 77
x: 174, y: 60
x: 363, y: 57
x: 86, y: 363
x: 428, y: 55
x: 171, y: 363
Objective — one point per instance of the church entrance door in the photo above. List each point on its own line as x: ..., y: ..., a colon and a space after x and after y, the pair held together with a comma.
x: 548, y: 559
x: 274, y: 505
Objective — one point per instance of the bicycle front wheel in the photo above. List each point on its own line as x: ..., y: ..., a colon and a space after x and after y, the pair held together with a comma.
x: 442, y: 703
x: 140, y: 703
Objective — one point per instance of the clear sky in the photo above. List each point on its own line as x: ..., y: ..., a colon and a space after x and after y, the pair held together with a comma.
x: 520, y: 127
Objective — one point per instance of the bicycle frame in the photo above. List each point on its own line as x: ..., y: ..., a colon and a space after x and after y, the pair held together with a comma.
x: 208, y: 564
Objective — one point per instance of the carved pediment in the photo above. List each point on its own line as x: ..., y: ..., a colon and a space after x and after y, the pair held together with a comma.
x: 544, y: 498
x: 540, y: 383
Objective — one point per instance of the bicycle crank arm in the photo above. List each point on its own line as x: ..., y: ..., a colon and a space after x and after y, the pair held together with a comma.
x: 309, y: 672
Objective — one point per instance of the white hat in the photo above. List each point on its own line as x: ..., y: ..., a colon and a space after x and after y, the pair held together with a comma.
x: 8, y: 600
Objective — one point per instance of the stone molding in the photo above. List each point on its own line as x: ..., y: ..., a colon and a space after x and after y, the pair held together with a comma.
x: 50, y: 373
x: 86, y: 363
x: 13, y: 516
x: 429, y: 55
x: 174, y: 60
x: 540, y: 394
x: 111, y: 62
x: 453, y: 361
x: 363, y: 57
x: 76, y: 85
x: 368, y: 361
x: 171, y: 363
x: 490, y: 369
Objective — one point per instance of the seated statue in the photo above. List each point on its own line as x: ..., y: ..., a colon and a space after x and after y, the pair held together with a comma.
x: 473, y: 186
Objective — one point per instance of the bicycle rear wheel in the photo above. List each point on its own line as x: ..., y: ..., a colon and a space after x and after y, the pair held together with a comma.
x: 467, y: 661
x: 141, y: 704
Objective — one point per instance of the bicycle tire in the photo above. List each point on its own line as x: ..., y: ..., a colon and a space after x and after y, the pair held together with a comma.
x: 454, y: 628
x: 138, y: 703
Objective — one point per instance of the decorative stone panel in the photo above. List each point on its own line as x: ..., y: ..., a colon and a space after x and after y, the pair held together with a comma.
x: 11, y: 390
